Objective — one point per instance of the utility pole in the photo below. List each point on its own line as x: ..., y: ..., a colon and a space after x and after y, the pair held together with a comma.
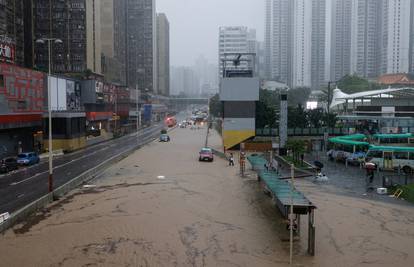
x: 292, y: 174
x: 137, y: 106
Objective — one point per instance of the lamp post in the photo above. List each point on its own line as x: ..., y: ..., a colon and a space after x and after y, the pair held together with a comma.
x: 49, y: 106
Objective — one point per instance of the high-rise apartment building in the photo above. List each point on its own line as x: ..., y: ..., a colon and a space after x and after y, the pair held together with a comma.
x: 163, y: 55
x: 366, y: 38
x: 295, y: 42
x: 77, y: 24
x: 318, y: 45
x: 141, y: 45
x: 113, y: 39
x: 238, y: 39
x: 12, y: 31
x: 302, y: 44
x: 340, y: 60
x: 397, y: 30
x: 278, y: 39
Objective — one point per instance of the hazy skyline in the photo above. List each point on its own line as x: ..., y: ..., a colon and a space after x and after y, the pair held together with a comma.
x: 194, y: 25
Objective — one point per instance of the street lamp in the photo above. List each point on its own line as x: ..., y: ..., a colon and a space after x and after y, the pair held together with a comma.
x: 49, y: 105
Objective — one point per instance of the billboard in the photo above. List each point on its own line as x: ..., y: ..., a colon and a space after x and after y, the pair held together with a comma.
x: 7, y: 49
x: 147, y: 112
x: 65, y: 94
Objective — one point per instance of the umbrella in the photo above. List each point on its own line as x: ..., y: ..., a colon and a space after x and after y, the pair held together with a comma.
x: 370, y: 165
x: 318, y: 164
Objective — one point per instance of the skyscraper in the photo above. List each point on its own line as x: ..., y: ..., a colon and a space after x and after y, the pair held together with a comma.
x: 397, y: 26
x: 318, y: 40
x: 295, y: 42
x: 113, y: 34
x: 77, y: 24
x: 278, y: 40
x: 366, y: 38
x: 340, y: 64
x: 141, y: 44
x: 163, y: 54
x: 12, y: 31
x: 302, y: 44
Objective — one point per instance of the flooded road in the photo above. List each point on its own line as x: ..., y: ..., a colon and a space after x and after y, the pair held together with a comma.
x: 161, y: 207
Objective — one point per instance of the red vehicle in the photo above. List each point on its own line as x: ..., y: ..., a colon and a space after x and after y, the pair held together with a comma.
x: 206, y: 154
x: 170, y: 122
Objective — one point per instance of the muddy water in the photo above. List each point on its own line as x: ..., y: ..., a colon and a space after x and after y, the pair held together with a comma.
x: 161, y: 207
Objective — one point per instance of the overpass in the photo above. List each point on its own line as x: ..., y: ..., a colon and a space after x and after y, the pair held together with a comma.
x: 178, y: 104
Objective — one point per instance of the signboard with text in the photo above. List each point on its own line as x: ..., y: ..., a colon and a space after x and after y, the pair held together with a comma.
x: 7, y: 49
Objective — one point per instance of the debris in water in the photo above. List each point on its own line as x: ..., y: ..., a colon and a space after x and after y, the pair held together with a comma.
x: 89, y: 186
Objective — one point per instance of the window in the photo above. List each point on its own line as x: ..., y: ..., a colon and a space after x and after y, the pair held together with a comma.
x: 374, y: 154
x: 401, y: 155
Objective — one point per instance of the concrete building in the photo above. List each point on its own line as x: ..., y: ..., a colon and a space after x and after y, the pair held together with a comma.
x: 366, y: 38
x: 295, y: 42
x: 141, y: 45
x: 397, y: 25
x: 22, y: 101
x: 302, y: 44
x: 318, y: 44
x: 12, y: 31
x: 238, y: 39
x: 184, y: 81
x: 239, y: 92
x: 340, y: 60
x: 278, y: 39
x: 113, y: 34
x: 77, y: 24
x: 163, y: 55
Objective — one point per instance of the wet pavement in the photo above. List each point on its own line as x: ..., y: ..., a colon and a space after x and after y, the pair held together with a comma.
x: 161, y: 207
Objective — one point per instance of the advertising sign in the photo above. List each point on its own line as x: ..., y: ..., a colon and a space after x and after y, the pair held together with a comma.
x: 7, y: 49
x: 147, y: 112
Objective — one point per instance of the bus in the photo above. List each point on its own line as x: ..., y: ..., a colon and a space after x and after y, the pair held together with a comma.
x: 406, y: 139
x: 351, y: 148
x: 391, y: 157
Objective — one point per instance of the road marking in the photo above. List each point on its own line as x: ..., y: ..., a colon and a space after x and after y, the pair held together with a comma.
x: 161, y: 177
x: 21, y: 195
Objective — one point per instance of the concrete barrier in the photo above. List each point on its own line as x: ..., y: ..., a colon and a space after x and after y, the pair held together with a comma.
x: 88, y: 175
x: 219, y: 153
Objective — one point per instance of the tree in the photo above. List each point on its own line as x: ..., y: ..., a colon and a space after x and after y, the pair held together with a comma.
x: 297, y: 147
x: 297, y: 117
x: 330, y: 119
x: 216, y: 106
x: 298, y: 96
x: 315, y: 117
x: 353, y: 84
x: 266, y: 109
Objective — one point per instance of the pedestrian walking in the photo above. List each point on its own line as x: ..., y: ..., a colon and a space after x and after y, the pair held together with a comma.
x: 231, y: 160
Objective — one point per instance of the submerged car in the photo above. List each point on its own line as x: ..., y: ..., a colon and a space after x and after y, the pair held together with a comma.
x: 8, y: 164
x: 28, y: 158
x: 206, y: 154
x: 164, y: 138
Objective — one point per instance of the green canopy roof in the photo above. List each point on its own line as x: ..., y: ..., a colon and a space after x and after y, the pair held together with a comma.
x: 392, y: 148
x: 392, y: 136
x: 353, y: 137
x: 338, y: 140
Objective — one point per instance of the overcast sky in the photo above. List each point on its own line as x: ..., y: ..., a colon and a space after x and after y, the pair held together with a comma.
x: 194, y: 25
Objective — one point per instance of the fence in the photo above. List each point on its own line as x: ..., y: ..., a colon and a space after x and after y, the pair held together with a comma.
x: 305, y: 131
